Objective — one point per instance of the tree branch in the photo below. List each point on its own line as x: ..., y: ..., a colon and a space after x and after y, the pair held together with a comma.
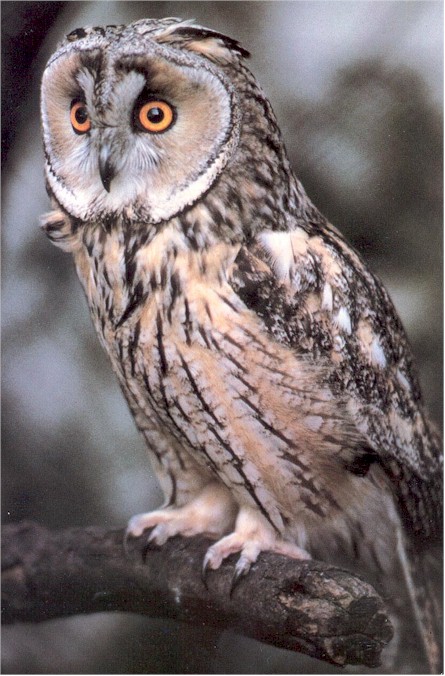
x: 305, y: 606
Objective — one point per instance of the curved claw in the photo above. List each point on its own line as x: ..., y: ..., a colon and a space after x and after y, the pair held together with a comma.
x: 127, y: 535
x: 211, y: 562
x: 204, y: 572
x: 151, y: 543
x: 242, y: 568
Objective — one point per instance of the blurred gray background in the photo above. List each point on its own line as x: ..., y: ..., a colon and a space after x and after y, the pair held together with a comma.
x: 357, y: 89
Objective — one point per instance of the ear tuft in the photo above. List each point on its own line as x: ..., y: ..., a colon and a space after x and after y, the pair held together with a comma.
x: 211, y: 44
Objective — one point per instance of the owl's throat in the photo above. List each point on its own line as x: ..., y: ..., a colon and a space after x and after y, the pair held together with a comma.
x: 122, y: 275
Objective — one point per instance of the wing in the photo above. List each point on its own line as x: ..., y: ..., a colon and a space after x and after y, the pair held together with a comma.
x: 314, y: 294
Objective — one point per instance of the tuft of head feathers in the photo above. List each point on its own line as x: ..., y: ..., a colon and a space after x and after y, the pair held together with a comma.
x: 212, y: 44
x: 171, y: 31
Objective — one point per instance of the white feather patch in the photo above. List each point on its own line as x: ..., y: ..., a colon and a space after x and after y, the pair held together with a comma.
x: 284, y: 248
x: 378, y: 357
x: 403, y: 380
x: 313, y: 422
x: 343, y: 320
x: 327, y: 298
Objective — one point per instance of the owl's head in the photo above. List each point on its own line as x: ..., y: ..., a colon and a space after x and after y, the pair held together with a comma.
x: 139, y: 120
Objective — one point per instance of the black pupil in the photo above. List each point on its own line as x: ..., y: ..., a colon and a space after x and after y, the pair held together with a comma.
x: 155, y: 115
x: 81, y: 115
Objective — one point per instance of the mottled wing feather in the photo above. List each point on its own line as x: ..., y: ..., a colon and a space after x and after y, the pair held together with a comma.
x: 315, y: 295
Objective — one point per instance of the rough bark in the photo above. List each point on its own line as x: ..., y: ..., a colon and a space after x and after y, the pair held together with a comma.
x: 306, y: 606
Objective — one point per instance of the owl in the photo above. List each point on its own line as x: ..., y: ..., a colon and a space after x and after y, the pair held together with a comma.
x: 263, y: 363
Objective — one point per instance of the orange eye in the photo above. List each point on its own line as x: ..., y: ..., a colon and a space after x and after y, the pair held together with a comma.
x: 79, y: 117
x: 155, y: 116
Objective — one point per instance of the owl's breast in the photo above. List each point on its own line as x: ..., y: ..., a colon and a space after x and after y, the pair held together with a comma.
x: 247, y: 408
x: 201, y: 371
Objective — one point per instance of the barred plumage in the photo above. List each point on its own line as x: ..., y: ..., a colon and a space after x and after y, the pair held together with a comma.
x: 263, y: 363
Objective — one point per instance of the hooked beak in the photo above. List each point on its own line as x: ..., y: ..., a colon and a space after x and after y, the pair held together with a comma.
x: 106, y: 169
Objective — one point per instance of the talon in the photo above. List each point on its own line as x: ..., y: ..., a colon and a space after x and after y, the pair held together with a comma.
x: 150, y: 544
x: 152, y: 538
x: 204, y: 572
x: 241, y: 569
x: 158, y: 536
x: 212, y: 561
x: 125, y: 543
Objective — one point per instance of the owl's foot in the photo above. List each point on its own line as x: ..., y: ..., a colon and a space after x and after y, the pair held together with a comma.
x: 252, y: 535
x: 211, y: 513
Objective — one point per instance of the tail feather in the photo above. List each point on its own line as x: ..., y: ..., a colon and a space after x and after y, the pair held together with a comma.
x: 422, y: 588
